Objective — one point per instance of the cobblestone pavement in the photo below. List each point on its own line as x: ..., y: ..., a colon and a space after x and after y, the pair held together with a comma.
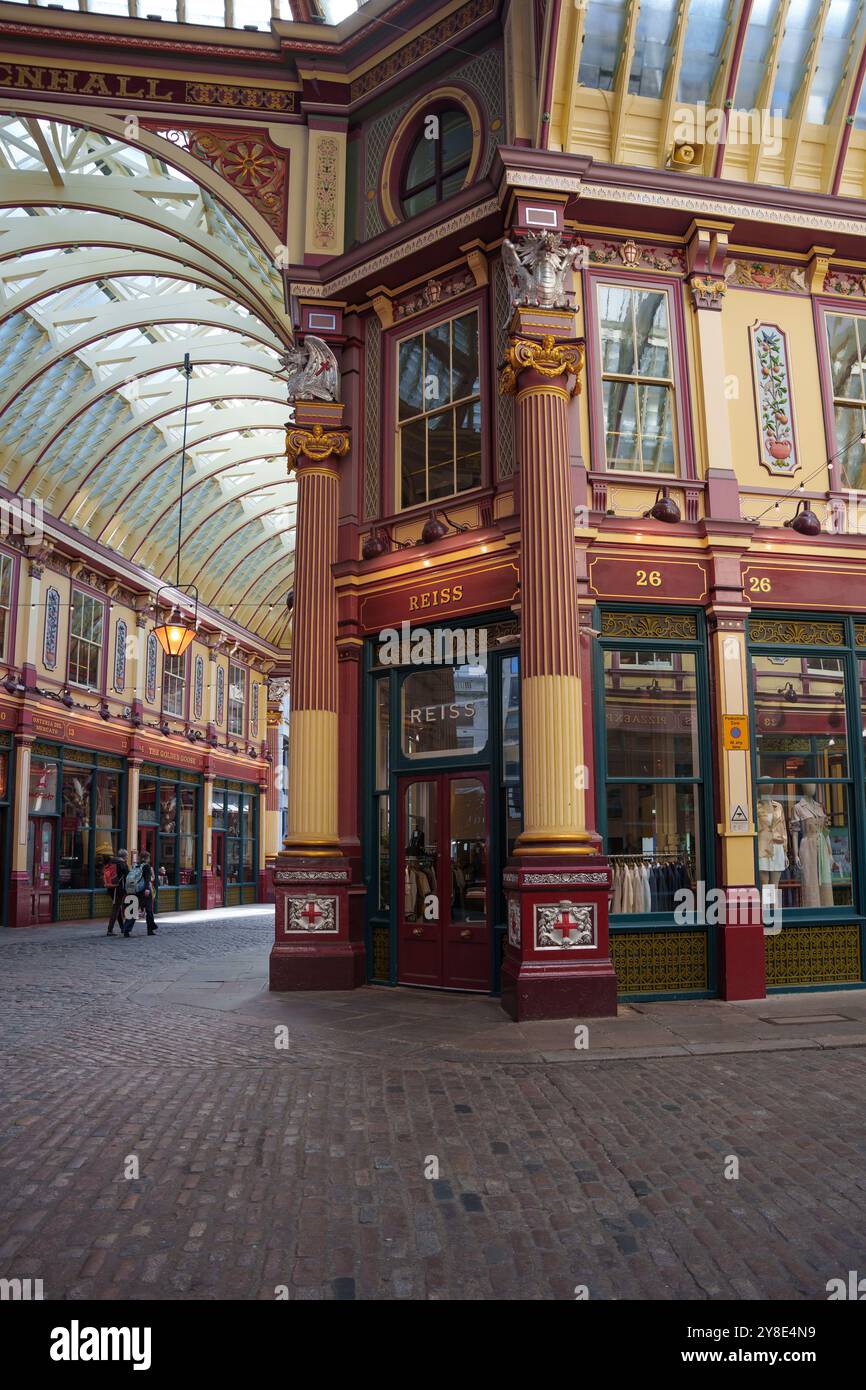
x: 305, y: 1168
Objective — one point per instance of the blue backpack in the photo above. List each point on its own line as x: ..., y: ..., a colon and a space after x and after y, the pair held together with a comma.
x: 135, y: 879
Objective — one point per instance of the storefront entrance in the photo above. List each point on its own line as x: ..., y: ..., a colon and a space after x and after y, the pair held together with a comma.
x: 40, y: 867
x: 443, y: 912
x: 218, y: 860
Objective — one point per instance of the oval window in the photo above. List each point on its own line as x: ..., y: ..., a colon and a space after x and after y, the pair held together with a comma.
x: 438, y: 161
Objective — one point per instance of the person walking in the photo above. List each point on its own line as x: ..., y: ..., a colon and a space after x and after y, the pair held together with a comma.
x: 114, y: 875
x: 145, y: 896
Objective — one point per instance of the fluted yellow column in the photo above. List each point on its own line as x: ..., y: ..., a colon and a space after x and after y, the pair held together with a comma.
x: 552, y: 751
x: 312, y: 826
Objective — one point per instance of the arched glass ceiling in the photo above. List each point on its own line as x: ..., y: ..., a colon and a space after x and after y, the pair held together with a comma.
x: 112, y: 268
x: 227, y: 14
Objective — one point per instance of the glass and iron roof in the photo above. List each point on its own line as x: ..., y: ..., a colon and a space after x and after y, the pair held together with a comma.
x: 113, y: 265
x: 798, y: 63
x: 224, y: 14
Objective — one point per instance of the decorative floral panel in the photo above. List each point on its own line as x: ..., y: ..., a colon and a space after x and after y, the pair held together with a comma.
x: 150, y: 672
x: 773, y: 398
x: 120, y: 635
x: 198, y: 688
x: 52, y: 629
x: 254, y: 710
x: 221, y: 695
x: 790, y: 633
x: 673, y: 626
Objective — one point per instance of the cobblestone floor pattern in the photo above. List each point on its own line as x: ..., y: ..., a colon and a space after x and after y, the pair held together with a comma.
x: 306, y: 1168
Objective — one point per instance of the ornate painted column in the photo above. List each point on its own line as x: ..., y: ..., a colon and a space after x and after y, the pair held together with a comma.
x: 20, y: 896
x: 313, y: 949
x: 557, y: 958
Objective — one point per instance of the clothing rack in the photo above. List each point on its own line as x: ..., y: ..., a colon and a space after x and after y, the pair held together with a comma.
x: 638, y: 858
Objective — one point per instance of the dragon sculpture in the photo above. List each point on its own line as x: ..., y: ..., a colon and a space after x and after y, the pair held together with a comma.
x: 310, y: 371
x: 537, y: 268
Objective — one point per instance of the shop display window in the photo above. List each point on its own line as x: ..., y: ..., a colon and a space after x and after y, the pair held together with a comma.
x: 235, y: 820
x: 444, y: 712
x: 651, y: 758
x: 803, y: 792
x: 171, y: 803
x: 43, y: 788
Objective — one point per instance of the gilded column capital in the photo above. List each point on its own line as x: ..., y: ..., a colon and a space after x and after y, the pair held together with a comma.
x: 316, y: 444
x: 708, y: 291
x: 548, y: 358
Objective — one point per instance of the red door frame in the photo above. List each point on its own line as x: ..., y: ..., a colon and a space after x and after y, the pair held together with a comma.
x: 42, y: 881
x: 218, y: 865
x: 442, y: 954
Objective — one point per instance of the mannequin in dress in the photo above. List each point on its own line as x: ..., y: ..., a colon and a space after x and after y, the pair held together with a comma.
x: 812, y: 848
x: 772, y: 837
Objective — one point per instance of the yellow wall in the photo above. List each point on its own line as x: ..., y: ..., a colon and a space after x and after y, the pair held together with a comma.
x: 793, y: 314
x: 31, y: 611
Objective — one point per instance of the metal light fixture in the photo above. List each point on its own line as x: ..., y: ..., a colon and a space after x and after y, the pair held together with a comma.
x: 176, y: 632
x: 664, y: 508
x: 805, y: 522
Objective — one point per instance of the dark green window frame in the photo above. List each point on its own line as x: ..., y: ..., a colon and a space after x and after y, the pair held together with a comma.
x: 702, y: 779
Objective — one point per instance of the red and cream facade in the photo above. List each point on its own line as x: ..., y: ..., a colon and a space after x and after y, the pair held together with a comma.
x: 588, y: 814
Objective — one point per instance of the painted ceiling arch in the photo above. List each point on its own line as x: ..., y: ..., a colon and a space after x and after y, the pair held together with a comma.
x: 114, y: 262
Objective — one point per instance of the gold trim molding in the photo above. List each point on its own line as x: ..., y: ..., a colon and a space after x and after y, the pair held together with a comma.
x: 316, y: 444
x: 548, y: 358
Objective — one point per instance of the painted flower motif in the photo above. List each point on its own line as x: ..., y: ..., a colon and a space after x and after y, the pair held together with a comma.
x: 249, y: 162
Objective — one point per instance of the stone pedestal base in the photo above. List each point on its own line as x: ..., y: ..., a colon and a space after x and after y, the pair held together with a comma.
x: 312, y: 947
x: 20, y: 904
x: 742, y: 959
x: 557, y: 960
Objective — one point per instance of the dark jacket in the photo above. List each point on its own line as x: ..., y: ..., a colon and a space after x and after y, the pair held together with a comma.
x: 122, y: 870
x: 147, y: 875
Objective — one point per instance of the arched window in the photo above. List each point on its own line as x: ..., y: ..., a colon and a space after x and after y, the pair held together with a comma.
x: 439, y: 161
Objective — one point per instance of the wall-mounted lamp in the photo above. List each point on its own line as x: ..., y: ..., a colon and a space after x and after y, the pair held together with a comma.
x: 805, y: 522
x: 664, y: 508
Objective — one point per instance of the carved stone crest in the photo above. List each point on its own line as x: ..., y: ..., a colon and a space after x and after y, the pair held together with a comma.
x: 310, y: 371
x: 565, y: 925
x: 310, y: 914
x: 514, y: 923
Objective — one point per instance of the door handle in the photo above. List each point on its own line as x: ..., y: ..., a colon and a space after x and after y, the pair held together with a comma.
x: 418, y: 931
x: 466, y: 935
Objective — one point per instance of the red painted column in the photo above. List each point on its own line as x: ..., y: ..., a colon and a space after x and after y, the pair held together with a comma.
x: 557, y: 960
x: 313, y: 949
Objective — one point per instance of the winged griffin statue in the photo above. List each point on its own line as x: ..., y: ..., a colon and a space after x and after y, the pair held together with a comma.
x: 536, y: 270
x: 310, y: 371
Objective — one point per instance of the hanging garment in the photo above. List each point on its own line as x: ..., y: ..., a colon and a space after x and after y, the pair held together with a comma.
x: 645, y: 886
x: 617, y: 888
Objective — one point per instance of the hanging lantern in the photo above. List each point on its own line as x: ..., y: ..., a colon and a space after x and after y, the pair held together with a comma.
x: 176, y: 632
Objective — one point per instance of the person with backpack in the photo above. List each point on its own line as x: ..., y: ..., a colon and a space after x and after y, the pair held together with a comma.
x: 145, y: 893
x: 134, y: 889
x: 114, y: 875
